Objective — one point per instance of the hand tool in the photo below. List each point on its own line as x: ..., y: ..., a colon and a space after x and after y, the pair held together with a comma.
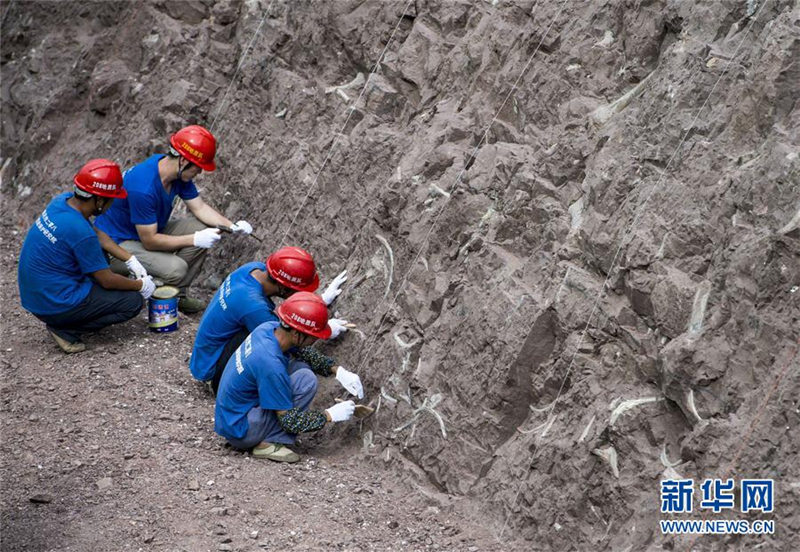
x: 229, y: 230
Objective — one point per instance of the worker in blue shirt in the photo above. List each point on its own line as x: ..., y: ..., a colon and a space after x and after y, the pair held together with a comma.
x: 173, y: 251
x: 264, y: 396
x: 63, y: 274
x: 244, y: 302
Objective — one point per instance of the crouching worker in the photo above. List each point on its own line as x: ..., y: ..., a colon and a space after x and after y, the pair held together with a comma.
x: 64, y: 277
x: 171, y: 250
x: 244, y: 301
x: 263, y: 397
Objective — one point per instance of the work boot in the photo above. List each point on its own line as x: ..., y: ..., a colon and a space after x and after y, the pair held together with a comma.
x: 67, y: 346
x: 276, y: 452
x: 190, y: 305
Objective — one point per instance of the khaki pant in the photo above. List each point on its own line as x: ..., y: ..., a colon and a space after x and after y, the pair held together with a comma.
x: 174, y: 268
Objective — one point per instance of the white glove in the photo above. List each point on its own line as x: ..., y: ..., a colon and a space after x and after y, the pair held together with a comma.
x: 337, y: 327
x: 334, y: 289
x: 242, y: 226
x: 206, y: 238
x: 350, y: 381
x: 148, y: 287
x: 341, y: 412
x: 136, y: 268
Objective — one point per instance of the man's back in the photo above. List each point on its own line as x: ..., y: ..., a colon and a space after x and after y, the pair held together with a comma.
x: 60, y: 249
x: 239, y: 304
x: 256, y: 375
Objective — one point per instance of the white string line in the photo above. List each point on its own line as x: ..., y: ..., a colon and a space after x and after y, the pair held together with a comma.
x: 452, y: 187
x: 241, y: 63
x: 8, y: 9
x: 628, y: 198
x: 455, y: 185
x: 510, y: 319
x: 647, y: 199
x: 489, y: 299
x: 511, y: 316
x: 351, y: 110
x: 619, y: 248
x: 371, y: 209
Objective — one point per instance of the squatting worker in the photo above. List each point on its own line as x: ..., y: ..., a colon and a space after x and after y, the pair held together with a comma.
x: 64, y: 278
x: 264, y: 396
x: 172, y: 251
x: 244, y: 301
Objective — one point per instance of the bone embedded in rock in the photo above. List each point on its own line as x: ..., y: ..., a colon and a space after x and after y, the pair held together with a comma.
x: 359, y: 80
x: 609, y: 456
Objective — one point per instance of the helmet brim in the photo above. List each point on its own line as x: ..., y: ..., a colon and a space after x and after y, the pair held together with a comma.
x: 312, y: 287
x: 324, y: 334
x: 208, y: 167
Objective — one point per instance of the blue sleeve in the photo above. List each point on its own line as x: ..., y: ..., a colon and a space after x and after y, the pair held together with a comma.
x: 188, y: 191
x: 142, y: 207
x: 90, y: 255
x: 275, y: 391
x: 256, y: 317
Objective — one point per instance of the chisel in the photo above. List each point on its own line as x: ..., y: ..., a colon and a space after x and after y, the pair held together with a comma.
x: 229, y: 230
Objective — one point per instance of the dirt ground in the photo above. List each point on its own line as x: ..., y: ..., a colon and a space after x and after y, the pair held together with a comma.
x: 573, y: 235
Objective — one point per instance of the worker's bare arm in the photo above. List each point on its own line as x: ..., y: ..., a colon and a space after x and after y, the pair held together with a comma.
x: 110, y: 247
x: 109, y: 280
x: 205, y: 213
x: 153, y: 241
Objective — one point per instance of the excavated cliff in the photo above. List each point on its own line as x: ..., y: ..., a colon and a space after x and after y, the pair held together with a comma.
x: 572, y: 228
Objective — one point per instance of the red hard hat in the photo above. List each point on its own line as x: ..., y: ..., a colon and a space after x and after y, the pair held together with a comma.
x: 101, y: 177
x: 294, y: 268
x: 307, y: 313
x: 196, y: 144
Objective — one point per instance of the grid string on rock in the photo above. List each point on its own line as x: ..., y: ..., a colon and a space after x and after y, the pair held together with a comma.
x: 614, y: 259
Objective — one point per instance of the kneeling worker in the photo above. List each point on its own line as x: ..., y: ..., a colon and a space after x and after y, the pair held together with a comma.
x: 64, y: 278
x: 244, y: 301
x: 171, y: 250
x: 264, y: 397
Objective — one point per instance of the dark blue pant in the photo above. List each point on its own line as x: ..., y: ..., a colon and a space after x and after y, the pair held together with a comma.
x: 101, y: 308
x: 263, y: 425
x: 227, y: 352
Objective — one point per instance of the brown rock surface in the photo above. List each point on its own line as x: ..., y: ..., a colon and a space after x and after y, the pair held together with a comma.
x: 625, y: 229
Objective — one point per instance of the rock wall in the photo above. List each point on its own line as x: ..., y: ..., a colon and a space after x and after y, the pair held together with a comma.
x: 548, y: 210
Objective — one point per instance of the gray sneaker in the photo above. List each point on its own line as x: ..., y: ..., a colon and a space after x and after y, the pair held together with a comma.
x: 275, y: 452
x: 67, y: 346
x: 190, y: 305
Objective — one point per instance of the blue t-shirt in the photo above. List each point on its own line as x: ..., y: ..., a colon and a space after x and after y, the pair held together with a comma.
x: 147, y: 201
x: 256, y: 375
x: 239, y: 304
x: 61, y: 249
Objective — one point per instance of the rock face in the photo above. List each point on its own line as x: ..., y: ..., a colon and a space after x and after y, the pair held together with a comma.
x: 546, y: 210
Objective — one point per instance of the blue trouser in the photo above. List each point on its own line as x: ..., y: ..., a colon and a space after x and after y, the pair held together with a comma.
x: 263, y: 425
x: 101, y: 308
